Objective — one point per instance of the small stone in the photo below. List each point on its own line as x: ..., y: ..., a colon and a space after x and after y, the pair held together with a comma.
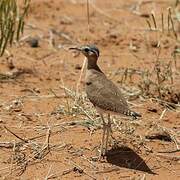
x: 154, y: 110
x: 145, y: 15
x: 78, y: 67
x: 33, y: 42
x: 154, y: 44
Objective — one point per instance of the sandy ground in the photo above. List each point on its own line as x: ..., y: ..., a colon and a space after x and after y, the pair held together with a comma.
x: 46, y: 132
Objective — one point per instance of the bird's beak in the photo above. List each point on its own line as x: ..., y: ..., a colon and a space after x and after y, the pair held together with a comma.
x: 75, y: 48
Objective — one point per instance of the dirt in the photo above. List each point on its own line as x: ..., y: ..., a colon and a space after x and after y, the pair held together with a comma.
x: 43, y: 136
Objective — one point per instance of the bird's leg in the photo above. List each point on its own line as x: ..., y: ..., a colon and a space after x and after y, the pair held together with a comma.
x: 102, y: 141
x: 109, y: 130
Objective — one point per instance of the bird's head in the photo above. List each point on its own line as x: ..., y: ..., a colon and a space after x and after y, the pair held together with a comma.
x: 90, y: 51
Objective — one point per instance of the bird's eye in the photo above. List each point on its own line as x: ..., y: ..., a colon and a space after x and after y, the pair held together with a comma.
x: 86, y: 50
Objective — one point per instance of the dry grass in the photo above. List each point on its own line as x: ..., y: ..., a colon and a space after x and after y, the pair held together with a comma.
x: 156, y: 85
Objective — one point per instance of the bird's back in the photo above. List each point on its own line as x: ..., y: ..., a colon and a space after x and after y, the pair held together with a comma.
x: 104, y: 94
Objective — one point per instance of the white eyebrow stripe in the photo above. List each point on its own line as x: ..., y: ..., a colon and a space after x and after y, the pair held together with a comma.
x: 95, y: 52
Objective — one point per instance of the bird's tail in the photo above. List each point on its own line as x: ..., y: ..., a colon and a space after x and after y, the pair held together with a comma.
x: 133, y: 114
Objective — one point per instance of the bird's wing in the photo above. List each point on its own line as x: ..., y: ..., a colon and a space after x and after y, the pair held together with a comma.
x: 104, y: 94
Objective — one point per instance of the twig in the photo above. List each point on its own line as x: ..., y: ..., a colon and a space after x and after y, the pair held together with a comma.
x: 154, y: 20
x: 143, y: 177
x: 149, y: 24
x: 48, y: 134
x: 55, y: 175
x: 162, y: 22
x: 174, y: 158
x: 48, y: 174
x: 12, y: 157
x: 24, y: 140
x: 166, y: 102
x: 170, y: 151
x: 57, y: 96
x: 168, y: 22
x: 9, y: 144
x: 85, y: 112
x: 162, y: 114
x: 51, y: 39
x: 172, y: 135
x: 67, y: 102
x: 172, y: 23
x: 88, y: 17
x: 80, y: 77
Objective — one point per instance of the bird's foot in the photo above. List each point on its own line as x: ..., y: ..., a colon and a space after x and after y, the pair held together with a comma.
x: 99, y: 158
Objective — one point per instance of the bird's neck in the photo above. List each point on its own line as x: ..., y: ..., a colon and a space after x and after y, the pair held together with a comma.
x: 92, y: 64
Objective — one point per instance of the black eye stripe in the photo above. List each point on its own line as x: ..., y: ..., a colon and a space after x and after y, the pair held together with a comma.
x: 86, y: 49
x: 97, y: 54
x: 91, y: 49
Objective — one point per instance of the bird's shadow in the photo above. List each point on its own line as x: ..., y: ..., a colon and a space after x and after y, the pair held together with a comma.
x: 123, y: 156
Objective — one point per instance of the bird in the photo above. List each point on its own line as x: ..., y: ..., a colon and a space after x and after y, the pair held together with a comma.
x: 103, y: 94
